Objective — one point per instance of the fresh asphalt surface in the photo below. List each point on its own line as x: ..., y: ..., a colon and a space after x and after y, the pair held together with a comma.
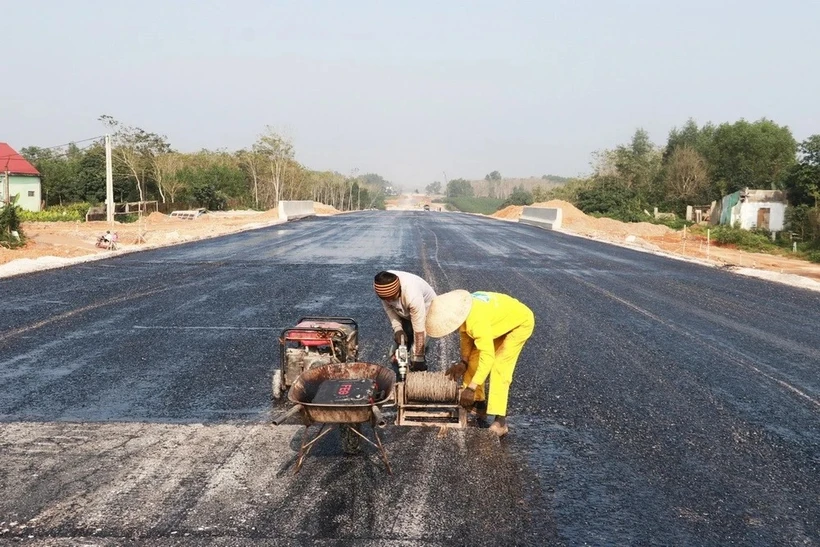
x: 658, y: 402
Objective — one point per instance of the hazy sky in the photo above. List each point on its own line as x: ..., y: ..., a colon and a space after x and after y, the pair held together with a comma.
x: 407, y: 89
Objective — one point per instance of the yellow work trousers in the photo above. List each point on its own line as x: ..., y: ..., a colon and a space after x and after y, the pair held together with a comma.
x: 507, y: 350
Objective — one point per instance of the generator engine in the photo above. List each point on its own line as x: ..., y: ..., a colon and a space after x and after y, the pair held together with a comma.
x: 314, y: 341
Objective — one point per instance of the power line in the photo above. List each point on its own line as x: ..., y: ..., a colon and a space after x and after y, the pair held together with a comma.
x: 56, y: 156
x: 72, y: 142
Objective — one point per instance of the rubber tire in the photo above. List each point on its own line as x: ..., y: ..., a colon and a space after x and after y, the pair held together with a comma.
x: 276, y: 385
x: 351, y: 443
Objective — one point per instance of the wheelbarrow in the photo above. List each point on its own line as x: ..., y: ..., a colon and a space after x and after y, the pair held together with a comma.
x: 340, y: 395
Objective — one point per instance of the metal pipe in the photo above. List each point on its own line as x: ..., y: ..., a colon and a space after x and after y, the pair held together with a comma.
x: 378, y: 417
x: 285, y: 415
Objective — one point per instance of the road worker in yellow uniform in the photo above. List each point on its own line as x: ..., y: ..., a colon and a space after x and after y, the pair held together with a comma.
x: 493, y: 328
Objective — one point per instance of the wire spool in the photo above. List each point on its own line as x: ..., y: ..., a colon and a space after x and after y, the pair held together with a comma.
x: 430, y: 387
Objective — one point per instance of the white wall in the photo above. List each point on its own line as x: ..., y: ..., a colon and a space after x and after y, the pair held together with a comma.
x: 545, y: 217
x: 747, y: 215
x: 23, y: 185
x: 295, y: 209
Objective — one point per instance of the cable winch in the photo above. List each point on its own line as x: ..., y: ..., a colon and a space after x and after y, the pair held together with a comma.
x: 426, y: 398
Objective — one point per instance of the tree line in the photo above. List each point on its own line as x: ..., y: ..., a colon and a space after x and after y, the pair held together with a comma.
x: 494, y: 186
x: 696, y: 166
x: 146, y: 167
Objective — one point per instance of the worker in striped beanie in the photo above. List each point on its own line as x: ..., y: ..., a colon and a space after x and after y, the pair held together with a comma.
x: 406, y: 298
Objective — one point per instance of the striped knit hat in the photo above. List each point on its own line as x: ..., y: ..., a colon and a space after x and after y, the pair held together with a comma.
x: 387, y: 289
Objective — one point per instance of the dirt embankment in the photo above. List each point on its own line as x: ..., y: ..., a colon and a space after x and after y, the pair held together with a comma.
x: 56, y: 241
x: 662, y: 238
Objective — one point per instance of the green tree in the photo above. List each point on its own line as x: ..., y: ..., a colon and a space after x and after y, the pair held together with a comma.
x: 755, y: 155
x: 804, y: 221
x: 493, y: 182
x: 433, y: 188
x: 90, y: 176
x: 802, y: 185
x: 556, y: 178
x: 58, y: 175
x: 10, y: 225
x: 810, y: 151
x: 698, y: 138
x: 610, y: 196
x: 519, y: 196
x: 459, y: 188
x: 638, y: 163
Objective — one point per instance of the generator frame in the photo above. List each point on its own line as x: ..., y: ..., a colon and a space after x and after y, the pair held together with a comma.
x: 311, y: 334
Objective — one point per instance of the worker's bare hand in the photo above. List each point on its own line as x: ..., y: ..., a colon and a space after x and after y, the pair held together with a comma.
x: 456, y: 371
x: 467, y: 397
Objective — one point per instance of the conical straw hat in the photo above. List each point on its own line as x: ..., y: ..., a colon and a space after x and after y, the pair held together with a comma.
x: 447, y: 312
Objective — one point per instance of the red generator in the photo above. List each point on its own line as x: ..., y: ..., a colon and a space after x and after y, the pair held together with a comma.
x: 314, y: 341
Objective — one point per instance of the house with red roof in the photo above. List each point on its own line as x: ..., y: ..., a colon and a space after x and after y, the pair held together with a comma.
x: 19, y: 178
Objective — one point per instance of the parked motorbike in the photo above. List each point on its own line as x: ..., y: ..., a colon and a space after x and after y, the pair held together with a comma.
x: 107, y: 241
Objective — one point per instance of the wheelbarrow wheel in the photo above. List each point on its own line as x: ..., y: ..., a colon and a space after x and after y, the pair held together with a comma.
x: 351, y: 442
x: 277, y: 384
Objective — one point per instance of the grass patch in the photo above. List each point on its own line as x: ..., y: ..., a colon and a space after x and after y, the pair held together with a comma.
x: 482, y: 206
x: 746, y: 240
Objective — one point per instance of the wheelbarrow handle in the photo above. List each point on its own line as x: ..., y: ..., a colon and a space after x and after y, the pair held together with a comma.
x: 378, y: 418
x: 277, y: 420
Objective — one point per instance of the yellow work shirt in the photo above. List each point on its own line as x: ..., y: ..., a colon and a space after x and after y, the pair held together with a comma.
x: 491, y: 316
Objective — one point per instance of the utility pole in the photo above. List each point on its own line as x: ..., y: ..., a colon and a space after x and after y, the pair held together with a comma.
x: 6, y: 187
x: 109, y: 182
x: 7, y: 184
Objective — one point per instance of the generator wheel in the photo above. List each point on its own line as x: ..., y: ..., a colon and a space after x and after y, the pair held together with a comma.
x: 351, y: 443
x: 276, y: 384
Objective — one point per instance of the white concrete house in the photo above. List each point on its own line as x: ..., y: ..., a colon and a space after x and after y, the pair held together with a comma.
x: 752, y: 209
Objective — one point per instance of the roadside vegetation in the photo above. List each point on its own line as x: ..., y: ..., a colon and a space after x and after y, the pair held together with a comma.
x: 696, y: 166
x: 11, y: 236
x: 483, y: 206
x: 146, y: 167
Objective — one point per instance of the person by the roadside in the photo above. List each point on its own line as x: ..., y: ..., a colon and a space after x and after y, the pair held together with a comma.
x: 493, y: 328
x: 406, y: 298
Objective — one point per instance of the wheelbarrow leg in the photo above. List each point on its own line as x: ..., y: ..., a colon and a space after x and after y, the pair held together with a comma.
x: 382, y: 451
x: 379, y: 446
x: 307, y: 445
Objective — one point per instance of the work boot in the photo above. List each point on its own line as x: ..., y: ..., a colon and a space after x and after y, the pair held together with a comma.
x: 499, y: 427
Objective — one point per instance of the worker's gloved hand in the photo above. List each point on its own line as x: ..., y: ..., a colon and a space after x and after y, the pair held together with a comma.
x: 418, y: 363
x: 397, y: 337
x: 456, y: 371
x: 467, y: 397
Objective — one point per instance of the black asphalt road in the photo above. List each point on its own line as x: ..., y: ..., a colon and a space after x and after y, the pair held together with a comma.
x: 658, y: 402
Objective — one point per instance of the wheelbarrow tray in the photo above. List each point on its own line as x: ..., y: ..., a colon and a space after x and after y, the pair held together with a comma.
x: 304, y: 390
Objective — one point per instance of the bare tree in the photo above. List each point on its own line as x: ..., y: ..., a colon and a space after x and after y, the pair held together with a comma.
x: 687, y: 174
x: 277, y: 151
x: 165, y: 168
x: 252, y: 162
x: 134, y: 149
